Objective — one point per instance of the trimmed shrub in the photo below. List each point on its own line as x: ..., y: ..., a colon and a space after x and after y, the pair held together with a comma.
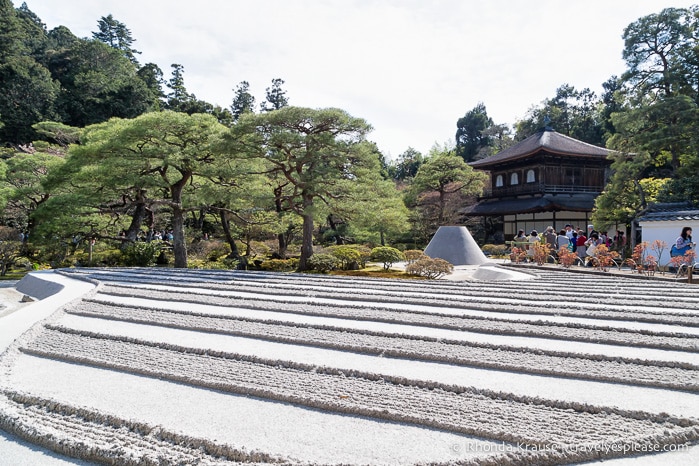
x: 343, y: 251
x: 348, y: 256
x: 202, y: 264
x: 542, y: 251
x: 104, y: 258
x: 386, y: 255
x: 323, y: 263
x: 495, y: 250
x: 566, y: 257
x: 429, y: 268
x: 411, y: 255
x: 280, y: 265
x: 141, y: 254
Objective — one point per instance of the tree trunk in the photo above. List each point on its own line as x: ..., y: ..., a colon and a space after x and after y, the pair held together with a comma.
x: 136, y: 223
x: 179, y: 244
x: 307, y: 239
x: 226, y: 225
x: 339, y: 240
x: 281, y: 238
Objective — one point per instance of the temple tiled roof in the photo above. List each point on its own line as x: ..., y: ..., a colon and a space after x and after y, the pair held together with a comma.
x: 548, y: 140
x: 671, y: 212
x: 547, y: 203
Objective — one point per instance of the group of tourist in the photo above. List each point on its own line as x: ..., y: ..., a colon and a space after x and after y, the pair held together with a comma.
x: 153, y: 235
x: 583, y: 243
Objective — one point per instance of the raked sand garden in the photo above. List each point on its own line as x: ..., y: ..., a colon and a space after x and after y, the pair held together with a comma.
x: 170, y: 367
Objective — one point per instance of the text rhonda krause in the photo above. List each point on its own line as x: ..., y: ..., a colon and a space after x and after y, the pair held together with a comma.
x: 606, y: 448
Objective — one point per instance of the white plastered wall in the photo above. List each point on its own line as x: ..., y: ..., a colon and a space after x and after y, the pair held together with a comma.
x: 668, y: 231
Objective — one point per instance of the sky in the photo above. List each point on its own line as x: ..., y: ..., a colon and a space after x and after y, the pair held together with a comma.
x: 411, y: 68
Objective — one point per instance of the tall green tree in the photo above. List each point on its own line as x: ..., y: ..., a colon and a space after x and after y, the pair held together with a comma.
x: 275, y: 97
x: 176, y: 84
x: 443, y: 176
x: 243, y: 101
x: 181, y: 100
x: 405, y: 167
x: 152, y: 76
x: 570, y: 112
x: 159, y: 154
x: 97, y: 83
x: 323, y: 154
x: 115, y: 34
x: 471, y: 140
x: 660, y: 52
x: 656, y: 127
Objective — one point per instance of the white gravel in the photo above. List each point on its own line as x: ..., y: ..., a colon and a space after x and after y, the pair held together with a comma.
x: 143, y: 391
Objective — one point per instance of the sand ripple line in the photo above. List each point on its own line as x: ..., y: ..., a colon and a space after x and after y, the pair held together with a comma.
x: 543, y: 329
x: 457, y: 410
x: 607, y: 311
x: 93, y: 436
x: 664, y: 374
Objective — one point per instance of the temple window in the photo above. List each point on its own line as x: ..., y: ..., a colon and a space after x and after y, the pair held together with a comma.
x: 531, y: 176
x: 514, y: 179
x: 499, y: 183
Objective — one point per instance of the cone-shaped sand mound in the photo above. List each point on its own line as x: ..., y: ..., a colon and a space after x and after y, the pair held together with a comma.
x: 455, y: 245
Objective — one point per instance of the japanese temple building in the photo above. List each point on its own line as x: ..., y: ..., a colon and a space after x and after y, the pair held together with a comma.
x: 548, y: 179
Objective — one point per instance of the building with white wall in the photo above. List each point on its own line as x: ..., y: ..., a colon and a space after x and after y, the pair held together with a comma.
x: 664, y: 222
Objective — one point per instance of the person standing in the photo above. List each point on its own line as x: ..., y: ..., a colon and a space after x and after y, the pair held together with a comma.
x: 580, y: 241
x: 563, y: 241
x: 591, y: 244
x: 533, y: 238
x: 590, y: 230
x: 620, y: 241
x: 550, y: 239
x: 569, y: 231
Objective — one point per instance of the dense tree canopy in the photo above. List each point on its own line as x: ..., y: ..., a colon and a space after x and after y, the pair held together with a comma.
x: 243, y: 101
x: 115, y: 34
x: 471, y: 138
x: 444, y: 177
x: 275, y: 97
x: 656, y: 127
x: 570, y: 112
x: 321, y: 153
x: 149, y: 159
x: 406, y: 166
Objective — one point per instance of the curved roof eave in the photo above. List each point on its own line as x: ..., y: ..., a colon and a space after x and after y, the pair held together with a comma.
x: 548, y: 140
